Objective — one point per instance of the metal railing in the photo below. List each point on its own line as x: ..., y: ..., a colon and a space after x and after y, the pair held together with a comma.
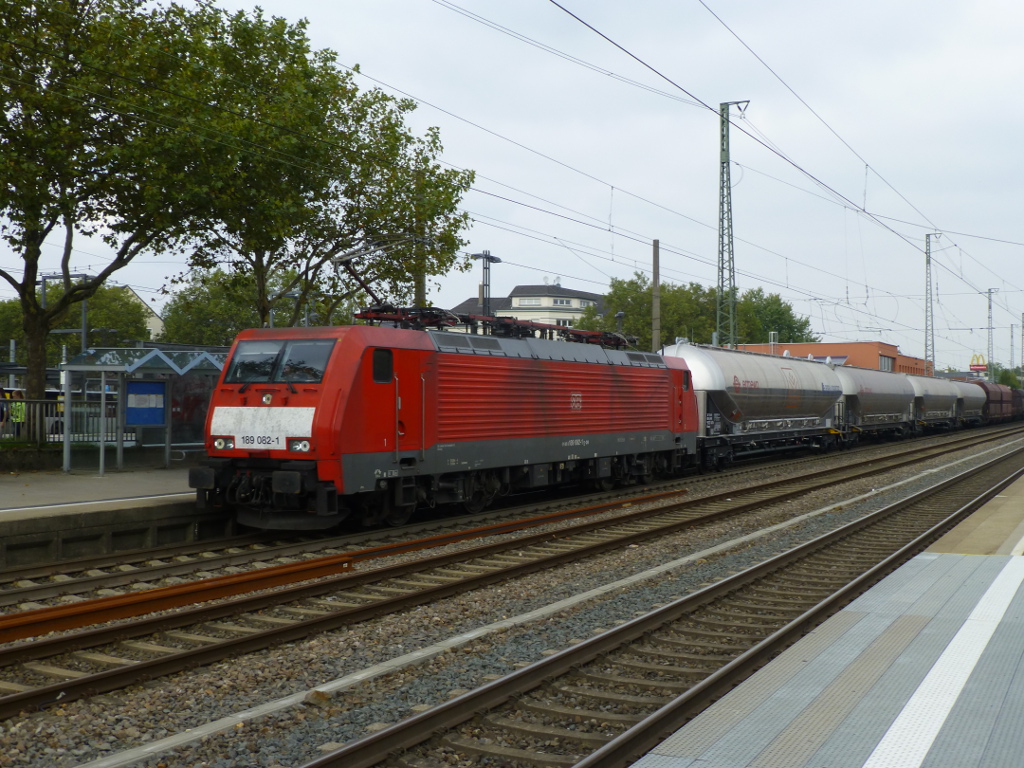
x: 38, y: 422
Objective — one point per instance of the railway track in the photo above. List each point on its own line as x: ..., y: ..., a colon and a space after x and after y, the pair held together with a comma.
x: 55, y: 584
x: 144, y: 575
x: 82, y: 663
x: 606, y: 701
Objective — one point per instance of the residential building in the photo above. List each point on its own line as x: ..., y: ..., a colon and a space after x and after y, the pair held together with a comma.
x: 154, y: 322
x: 550, y: 304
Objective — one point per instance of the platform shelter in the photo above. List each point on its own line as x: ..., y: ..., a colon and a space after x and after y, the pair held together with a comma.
x: 132, y: 393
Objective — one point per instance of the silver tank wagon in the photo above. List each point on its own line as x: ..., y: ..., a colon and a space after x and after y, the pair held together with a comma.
x: 876, y: 401
x: 971, y: 405
x: 750, y: 403
x: 935, y: 401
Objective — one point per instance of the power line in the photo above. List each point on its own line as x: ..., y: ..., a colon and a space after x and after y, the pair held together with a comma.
x: 779, y: 154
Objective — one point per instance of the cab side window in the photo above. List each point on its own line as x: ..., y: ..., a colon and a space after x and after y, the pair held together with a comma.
x: 383, y: 366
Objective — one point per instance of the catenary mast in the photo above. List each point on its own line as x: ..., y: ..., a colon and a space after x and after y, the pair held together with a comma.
x: 725, y: 326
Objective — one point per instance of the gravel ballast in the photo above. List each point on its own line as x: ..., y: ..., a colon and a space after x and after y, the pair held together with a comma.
x: 93, y: 732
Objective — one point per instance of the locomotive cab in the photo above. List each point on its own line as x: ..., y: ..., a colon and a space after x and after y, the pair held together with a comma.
x: 261, y: 442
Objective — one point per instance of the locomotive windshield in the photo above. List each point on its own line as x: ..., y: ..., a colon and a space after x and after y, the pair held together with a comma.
x: 279, y: 360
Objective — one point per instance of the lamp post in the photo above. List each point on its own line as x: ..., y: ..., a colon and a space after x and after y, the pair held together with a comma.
x: 485, y: 299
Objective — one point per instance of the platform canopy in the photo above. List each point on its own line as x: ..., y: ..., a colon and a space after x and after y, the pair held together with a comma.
x: 129, y: 365
x: 141, y: 360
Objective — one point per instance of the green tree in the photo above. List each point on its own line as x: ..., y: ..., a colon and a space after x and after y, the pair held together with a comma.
x: 757, y: 314
x: 689, y: 311
x: 154, y: 127
x: 1007, y: 377
x: 364, y: 185
x: 94, y: 141
x: 210, y: 309
x: 114, y: 317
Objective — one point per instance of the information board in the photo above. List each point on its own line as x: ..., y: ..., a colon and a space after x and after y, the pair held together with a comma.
x: 145, y: 403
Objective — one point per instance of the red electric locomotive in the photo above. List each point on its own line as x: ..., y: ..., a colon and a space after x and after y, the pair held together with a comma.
x: 308, y: 426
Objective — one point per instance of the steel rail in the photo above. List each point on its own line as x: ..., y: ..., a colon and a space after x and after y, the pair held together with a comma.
x: 41, y: 621
x: 645, y: 735
x: 142, y: 670
x: 205, y: 560
x: 620, y: 751
x: 202, y: 554
x: 25, y: 624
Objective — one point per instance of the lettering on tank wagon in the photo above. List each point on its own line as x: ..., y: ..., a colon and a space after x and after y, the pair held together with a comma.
x: 835, y: 388
x: 745, y: 383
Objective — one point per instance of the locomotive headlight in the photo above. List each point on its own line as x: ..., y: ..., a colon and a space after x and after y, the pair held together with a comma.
x: 224, y: 443
x: 298, y: 446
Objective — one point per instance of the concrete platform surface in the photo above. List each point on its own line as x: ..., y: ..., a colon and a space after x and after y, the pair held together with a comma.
x: 995, y: 529
x: 38, y: 489
x: 923, y: 670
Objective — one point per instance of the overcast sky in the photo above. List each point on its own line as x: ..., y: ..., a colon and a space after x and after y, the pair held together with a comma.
x: 585, y: 152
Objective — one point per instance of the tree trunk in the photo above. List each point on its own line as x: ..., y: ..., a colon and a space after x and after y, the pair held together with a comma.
x: 35, y: 343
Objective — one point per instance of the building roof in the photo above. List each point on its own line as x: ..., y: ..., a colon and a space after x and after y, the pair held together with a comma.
x: 553, y: 290
x: 473, y: 306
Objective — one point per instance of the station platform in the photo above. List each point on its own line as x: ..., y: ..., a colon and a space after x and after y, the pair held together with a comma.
x: 925, y: 669
x: 40, y: 490
x: 49, y: 516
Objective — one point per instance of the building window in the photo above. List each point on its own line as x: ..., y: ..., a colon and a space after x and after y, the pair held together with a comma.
x: 564, y: 323
x: 587, y: 303
x: 529, y: 302
x: 886, y: 363
x: 563, y: 302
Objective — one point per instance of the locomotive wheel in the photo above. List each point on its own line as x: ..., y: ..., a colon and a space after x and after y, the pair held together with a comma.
x: 481, y: 489
x: 395, y: 516
x: 476, y: 503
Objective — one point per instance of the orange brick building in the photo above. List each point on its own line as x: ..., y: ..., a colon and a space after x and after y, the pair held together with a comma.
x: 862, y: 354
